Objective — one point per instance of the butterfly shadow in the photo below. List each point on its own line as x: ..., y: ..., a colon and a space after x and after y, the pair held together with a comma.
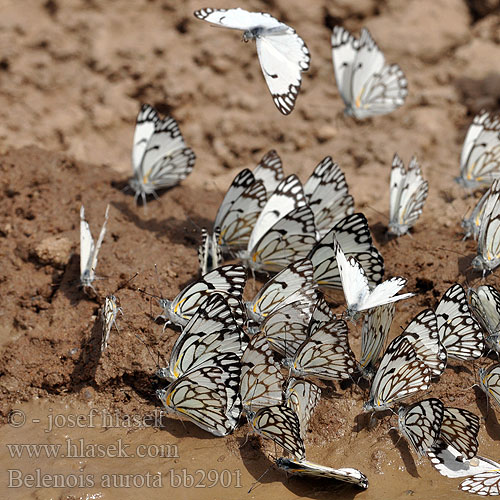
x: 488, y: 413
x: 402, y: 446
x: 379, y: 233
x: 465, y: 268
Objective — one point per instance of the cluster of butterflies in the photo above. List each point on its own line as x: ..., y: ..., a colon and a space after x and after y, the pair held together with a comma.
x: 480, y: 166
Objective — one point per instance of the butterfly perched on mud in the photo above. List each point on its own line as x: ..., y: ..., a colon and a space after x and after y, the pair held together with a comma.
x: 485, y: 304
x: 368, y: 86
x: 160, y: 157
x: 283, y: 55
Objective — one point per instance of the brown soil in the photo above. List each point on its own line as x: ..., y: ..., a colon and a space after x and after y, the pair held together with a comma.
x: 73, y: 75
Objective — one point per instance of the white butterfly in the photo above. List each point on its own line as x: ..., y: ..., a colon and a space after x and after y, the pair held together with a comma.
x: 228, y: 280
x: 450, y: 463
x: 89, y: 251
x: 399, y: 375
x: 261, y: 379
x: 376, y: 325
x: 485, y: 304
x: 367, y: 85
x: 270, y: 171
x: 472, y: 224
x: 211, y: 332
x: 302, y: 397
x: 358, y: 293
x: 353, y: 235
x: 283, y: 55
x: 480, y: 157
x: 483, y: 484
x: 206, y: 397
x: 209, y: 252
x: 294, y: 284
x: 108, y: 313
x: 420, y: 423
x: 160, y: 157
x: 239, y: 211
x: 280, y: 424
x: 328, y: 195
x: 422, y: 333
x: 489, y: 381
x: 488, y: 242
x: 325, y: 354
x: 459, y: 332
x: 408, y: 194
x: 310, y: 469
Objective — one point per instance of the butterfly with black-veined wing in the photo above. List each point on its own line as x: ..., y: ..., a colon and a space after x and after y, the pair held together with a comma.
x: 302, y: 397
x: 485, y: 304
x: 357, y: 291
x: 472, y: 223
x: 399, y: 375
x: 480, y: 156
x: 484, y: 483
x: 211, y: 332
x: 270, y: 171
x: 160, y: 157
x: 206, y: 396
x: 209, y: 252
x: 310, y: 469
x: 353, y: 235
x: 459, y: 429
x: 488, y: 241
x: 294, y: 284
x: 228, y: 280
x: 489, y: 381
x: 283, y: 55
x: 459, y: 332
x: 420, y: 423
x: 376, y: 325
x: 108, y: 315
x: 407, y: 197
x: 328, y: 195
x: 89, y: 250
x: 261, y: 379
x: 368, y: 86
x: 239, y: 211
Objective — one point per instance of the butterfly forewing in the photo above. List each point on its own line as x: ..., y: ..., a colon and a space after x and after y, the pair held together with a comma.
x: 489, y: 381
x: 302, y: 397
x: 460, y: 429
x: 485, y: 304
x: 270, y: 171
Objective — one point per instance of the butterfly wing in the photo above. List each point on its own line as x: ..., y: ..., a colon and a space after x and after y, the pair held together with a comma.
x: 459, y: 429
x: 385, y: 293
x: 459, y: 332
x: 302, y: 397
x: 489, y: 381
x: 485, y: 304
x: 421, y: 423
x: 209, y: 252
x: 86, y: 247
x: 146, y: 123
x: 270, y: 171
x: 239, y: 19
x: 484, y: 483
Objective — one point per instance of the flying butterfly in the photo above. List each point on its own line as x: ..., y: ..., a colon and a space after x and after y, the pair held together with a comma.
x: 399, y: 375
x: 480, y: 157
x: 239, y: 211
x: 376, y: 325
x: 283, y: 55
x: 295, y: 283
x: 357, y: 291
x: 408, y: 194
x: 422, y: 333
x: 472, y: 223
x: 459, y: 332
x: 310, y: 469
x: 270, y: 171
x: 261, y: 379
x: 483, y: 484
x: 89, y: 250
x: 209, y: 252
x: 485, y: 304
x: 368, y: 86
x: 325, y: 354
x: 328, y: 195
x: 160, y: 157
x: 206, y: 397
x: 302, y: 397
x: 489, y: 381
x: 211, y: 332
x: 108, y: 315
x: 228, y: 280
x: 353, y: 235
x: 420, y: 423
x: 488, y: 241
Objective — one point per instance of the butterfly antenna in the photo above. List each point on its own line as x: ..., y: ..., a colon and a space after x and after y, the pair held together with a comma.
x: 378, y: 212
x: 123, y: 285
x: 256, y: 482
x: 149, y: 350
